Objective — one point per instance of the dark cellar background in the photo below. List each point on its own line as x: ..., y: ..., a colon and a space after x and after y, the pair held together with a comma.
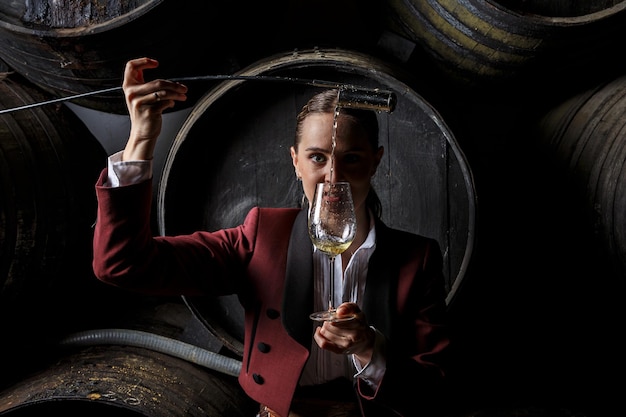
x: 538, y: 318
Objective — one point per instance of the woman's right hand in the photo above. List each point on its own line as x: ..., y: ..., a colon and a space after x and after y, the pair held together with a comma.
x: 146, y: 102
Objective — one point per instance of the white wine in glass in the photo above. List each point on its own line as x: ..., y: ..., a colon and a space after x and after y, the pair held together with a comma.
x: 332, y: 227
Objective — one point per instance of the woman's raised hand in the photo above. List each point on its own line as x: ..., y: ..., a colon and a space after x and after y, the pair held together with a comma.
x: 146, y: 102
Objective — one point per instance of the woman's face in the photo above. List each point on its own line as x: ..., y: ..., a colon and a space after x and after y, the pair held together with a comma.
x: 355, y: 160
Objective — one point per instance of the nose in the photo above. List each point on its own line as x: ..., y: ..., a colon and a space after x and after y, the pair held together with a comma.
x: 334, y: 171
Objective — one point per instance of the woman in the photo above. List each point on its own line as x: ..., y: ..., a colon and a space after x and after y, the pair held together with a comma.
x: 387, y: 361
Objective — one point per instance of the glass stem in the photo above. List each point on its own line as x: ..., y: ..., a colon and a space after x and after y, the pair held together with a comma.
x: 331, y: 290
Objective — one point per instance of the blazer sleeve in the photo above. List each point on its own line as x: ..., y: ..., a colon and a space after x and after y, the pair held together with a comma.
x: 417, y: 338
x: 126, y: 254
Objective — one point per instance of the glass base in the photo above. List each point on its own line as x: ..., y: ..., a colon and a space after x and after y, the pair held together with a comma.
x: 329, y: 315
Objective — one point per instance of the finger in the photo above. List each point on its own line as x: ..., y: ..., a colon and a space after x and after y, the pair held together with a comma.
x: 167, y: 91
x: 332, y: 344
x: 341, y: 338
x: 357, y: 320
x: 133, y: 72
x: 348, y: 309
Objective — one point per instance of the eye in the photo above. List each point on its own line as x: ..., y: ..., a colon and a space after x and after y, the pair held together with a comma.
x: 317, y: 158
x: 352, y: 158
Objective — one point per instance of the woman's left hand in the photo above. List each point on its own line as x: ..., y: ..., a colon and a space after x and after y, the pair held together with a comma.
x: 350, y: 337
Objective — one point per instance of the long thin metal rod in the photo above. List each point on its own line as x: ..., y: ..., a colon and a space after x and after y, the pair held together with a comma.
x: 57, y: 100
x: 304, y: 81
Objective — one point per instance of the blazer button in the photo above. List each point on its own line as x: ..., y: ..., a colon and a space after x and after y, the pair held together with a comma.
x: 263, y: 347
x: 258, y: 379
x: 272, y: 314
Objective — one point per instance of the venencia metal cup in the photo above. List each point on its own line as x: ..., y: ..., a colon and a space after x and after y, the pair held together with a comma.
x: 367, y: 99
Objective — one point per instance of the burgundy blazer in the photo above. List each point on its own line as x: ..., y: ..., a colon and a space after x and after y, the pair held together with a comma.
x: 267, y: 261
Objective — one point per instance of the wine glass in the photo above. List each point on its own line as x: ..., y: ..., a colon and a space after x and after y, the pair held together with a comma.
x: 332, y: 227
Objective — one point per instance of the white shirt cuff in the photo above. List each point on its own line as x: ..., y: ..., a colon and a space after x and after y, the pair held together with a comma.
x: 123, y: 173
x: 372, y: 373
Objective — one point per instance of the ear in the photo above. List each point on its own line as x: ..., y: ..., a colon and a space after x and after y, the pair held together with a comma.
x: 294, y: 157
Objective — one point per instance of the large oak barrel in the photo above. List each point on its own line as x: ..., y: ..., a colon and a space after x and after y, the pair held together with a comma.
x: 479, y: 41
x: 77, y: 47
x: 235, y: 144
x: 49, y: 162
x: 125, y: 381
x: 586, y: 139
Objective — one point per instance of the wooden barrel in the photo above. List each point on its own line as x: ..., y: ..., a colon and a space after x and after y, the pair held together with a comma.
x: 125, y: 381
x: 236, y: 141
x: 586, y: 139
x: 479, y: 41
x: 77, y: 47
x: 49, y: 162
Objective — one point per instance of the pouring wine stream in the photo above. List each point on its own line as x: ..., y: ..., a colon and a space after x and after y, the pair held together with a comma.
x: 332, y: 219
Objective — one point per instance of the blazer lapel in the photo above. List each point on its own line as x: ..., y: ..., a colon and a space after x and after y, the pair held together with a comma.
x: 380, y: 281
x: 298, y: 294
